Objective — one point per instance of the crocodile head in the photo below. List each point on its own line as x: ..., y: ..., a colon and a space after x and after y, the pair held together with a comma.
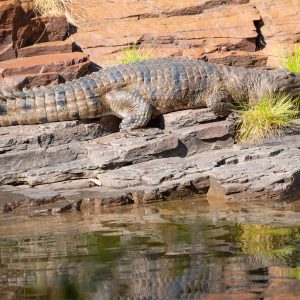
x: 286, y: 82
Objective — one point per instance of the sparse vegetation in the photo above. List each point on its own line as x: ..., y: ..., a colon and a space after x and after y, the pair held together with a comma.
x: 291, y: 61
x: 266, y: 117
x: 132, y: 54
x: 73, y: 10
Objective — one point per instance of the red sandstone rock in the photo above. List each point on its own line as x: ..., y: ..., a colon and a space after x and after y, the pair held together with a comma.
x: 223, y: 27
x: 226, y: 32
x: 238, y: 58
x: 41, y: 29
x: 20, y: 29
x: 46, y: 48
x: 8, y: 14
x: 281, y: 28
x: 42, y: 69
x: 22, y: 34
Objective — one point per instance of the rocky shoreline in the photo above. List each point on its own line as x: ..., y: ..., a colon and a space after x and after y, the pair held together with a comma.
x: 58, y: 167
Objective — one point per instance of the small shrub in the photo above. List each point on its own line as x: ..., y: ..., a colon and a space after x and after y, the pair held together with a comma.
x: 73, y: 10
x: 266, y: 117
x: 132, y: 54
x: 291, y: 61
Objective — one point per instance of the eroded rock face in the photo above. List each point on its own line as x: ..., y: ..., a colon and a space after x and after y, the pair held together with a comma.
x: 19, y: 28
x: 42, y: 70
x: 279, y: 29
x: 228, y: 32
x: 234, y: 32
x: 190, y: 28
x: 24, y: 35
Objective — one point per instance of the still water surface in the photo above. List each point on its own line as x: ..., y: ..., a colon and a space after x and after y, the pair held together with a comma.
x: 172, y: 250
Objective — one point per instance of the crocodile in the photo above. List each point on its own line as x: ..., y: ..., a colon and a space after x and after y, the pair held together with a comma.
x: 136, y: 92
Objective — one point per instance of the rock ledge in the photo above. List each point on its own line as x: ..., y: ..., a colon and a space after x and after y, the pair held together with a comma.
x: 62, y: 166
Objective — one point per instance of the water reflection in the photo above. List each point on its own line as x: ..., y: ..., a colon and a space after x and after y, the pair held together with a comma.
x: 178, y: 250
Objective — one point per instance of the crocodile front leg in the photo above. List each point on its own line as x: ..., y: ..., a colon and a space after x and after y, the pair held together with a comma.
x: 134, y: 109
x: 220, y: 103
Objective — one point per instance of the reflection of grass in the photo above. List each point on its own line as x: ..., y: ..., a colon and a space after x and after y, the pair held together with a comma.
x: 291, y: 61
x: 132, y: 54
x: 266, y: 117
x: 297, y: 273
x: 100, y: 245
x: 73, y: 10
x: 267, y: 240
x: 287, y: 272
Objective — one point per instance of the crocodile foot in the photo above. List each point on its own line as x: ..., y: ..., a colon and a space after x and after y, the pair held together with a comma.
x: 142, y: 132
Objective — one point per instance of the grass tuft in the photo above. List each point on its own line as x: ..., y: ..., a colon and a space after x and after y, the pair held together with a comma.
x: 267, y: 117
x: 291, y: 61
x: 132, y: 54
x: 72, y: 9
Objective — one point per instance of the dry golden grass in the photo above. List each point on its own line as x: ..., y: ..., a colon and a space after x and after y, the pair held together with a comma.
x: 73, y: 10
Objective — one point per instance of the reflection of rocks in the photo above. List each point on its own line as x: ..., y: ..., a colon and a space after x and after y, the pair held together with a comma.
x: 56, y: 167
x: 100, y: 258
x: 278, y: 289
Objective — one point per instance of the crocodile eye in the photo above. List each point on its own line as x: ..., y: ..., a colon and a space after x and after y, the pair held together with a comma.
x: 292, y: 74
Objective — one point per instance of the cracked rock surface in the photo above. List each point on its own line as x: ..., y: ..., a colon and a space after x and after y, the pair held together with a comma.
x: 58, y: 167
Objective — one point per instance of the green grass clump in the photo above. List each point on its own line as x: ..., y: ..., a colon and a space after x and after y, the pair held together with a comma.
x: 71, y: 9
x: 291, y: 61
x: 132, y: 54
x: 266, y: 117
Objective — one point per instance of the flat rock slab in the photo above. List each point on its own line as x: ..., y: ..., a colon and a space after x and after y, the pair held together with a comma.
x: 58, y: 167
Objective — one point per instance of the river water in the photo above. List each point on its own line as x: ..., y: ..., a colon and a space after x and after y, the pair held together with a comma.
x: 181, y: 249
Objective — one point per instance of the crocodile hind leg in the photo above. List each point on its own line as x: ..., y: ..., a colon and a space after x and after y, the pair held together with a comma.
x: 134, y: 109
x: 220, y: 103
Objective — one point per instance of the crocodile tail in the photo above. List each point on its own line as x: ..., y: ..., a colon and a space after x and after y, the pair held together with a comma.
x: 77, y: 99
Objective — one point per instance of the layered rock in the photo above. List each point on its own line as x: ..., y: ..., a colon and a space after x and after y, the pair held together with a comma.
x: 229, y: 32
x: 20, y: 28
x: 279, y: 28
x: 234, y: 32
x: 57, y: 167
x: 62, y: 166
x: 194, y: 28
x: 42, y: 70
x: 23, y: 35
